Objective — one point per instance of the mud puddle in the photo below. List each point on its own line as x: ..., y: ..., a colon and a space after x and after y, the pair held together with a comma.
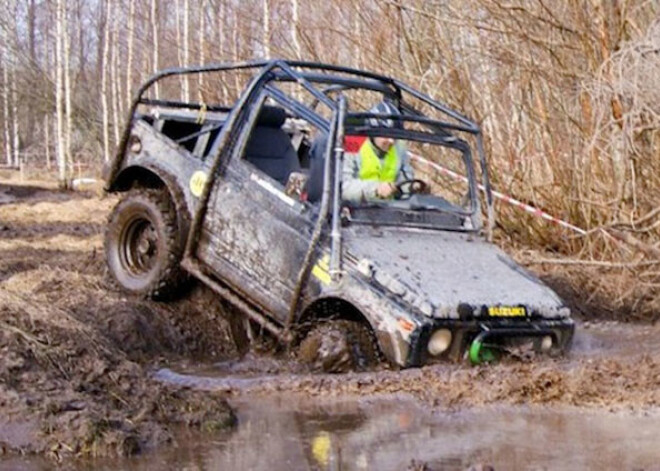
x: 581, y: 412
x: 593, y: 342
x: 397, y: 433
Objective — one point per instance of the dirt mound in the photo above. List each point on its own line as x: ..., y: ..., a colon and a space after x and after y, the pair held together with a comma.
x: 75, y: 354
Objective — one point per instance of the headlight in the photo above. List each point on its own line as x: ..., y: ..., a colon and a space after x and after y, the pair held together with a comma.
x: 439, y: 342
x: 546, y: 343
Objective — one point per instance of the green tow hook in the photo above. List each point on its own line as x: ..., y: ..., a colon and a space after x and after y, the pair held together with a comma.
x: 479, y: 354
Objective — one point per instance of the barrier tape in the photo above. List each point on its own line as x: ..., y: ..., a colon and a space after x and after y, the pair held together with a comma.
x: 501, y: 196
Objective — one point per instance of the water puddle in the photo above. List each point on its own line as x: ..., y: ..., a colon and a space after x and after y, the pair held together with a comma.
x: 279, y: 430
x: 396, y: 433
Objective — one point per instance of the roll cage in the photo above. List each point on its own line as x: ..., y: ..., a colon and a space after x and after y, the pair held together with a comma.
x: 322, y: 81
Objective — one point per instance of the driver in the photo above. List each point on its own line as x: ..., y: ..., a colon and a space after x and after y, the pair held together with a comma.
x: 381, y: 162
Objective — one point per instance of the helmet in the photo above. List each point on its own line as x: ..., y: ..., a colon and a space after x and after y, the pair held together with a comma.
x: 384, y: 107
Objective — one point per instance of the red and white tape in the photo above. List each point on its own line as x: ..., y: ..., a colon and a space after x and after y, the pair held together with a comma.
x: 501, y: 196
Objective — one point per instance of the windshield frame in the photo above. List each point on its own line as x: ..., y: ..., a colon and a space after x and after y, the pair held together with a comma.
x: 367, y: 212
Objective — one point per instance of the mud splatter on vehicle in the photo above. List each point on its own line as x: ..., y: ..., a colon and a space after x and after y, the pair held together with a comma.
x: 213, y: 191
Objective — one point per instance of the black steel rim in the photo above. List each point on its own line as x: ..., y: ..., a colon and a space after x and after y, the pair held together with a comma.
x: 138, y: 246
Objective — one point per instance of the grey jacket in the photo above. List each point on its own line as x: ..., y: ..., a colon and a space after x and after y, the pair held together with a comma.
x: 355, y: 189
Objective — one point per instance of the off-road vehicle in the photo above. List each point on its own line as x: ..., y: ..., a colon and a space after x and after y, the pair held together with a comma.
x: 241, y: 189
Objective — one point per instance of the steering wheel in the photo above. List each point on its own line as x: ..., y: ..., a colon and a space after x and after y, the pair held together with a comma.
x: 406, y: 188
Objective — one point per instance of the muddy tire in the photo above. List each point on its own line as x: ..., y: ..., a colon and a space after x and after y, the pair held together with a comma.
x: 338, y: 346
x: 143, y: 246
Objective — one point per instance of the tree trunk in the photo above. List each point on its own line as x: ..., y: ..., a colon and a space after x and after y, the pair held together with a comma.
x: 6, y: 87
x: 202, y: 46
x: 266, y: 29
x: 47, y: 140
x: 129, y: 59
x: 103, y: 60
x: 186, y: 49
x: 294, y: 30
x: 68, y: 112
x: 14, y: 118
x: 154, y: 32
x: 31, y: 33
x: 82, y: 50
x: 115, y: 93
x: 100, y: 38
x: 5, y: 99
x: 59, y: 99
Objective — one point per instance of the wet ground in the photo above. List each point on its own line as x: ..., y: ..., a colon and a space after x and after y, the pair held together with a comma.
x: 81, y: 366
x: 398, y: 433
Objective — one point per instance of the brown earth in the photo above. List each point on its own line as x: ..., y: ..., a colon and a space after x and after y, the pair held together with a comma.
x: 78, y: 357
x: 75, y: 354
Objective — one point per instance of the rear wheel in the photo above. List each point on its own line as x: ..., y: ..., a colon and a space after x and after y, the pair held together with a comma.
x: 143, y: 246
x: 337, y: 346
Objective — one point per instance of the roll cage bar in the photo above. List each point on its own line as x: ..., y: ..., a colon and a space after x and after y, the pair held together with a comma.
x: 310, y: 75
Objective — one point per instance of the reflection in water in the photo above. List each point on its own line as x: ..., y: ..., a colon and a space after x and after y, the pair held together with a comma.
x: 388, y: 434
x: 295, y: 432
x: 290, y: 433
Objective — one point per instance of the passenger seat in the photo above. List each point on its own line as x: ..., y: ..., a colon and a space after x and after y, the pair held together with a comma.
x: 269, y: 148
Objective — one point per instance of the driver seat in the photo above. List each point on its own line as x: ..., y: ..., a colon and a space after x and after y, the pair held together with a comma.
x: 314, y: 186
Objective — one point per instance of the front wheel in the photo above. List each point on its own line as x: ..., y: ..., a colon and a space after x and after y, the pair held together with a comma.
x: 338, y: 346
x: 143, y: 246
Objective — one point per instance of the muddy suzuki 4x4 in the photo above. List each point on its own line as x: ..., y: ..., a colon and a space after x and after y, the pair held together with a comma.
x: 242, y: 190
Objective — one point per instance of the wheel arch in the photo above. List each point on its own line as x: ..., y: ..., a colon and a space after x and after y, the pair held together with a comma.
x: 335, y: 307
x: 138, y: 176
x: 332, y: 307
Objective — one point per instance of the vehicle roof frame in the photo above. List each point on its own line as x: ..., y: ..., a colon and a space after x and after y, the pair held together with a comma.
x: 267, y: 71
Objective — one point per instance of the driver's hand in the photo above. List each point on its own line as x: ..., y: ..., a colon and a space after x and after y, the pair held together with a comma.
x: 385, y: 190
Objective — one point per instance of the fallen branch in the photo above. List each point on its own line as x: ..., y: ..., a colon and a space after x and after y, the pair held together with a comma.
x: 635, y: 242
x: 595, y: 263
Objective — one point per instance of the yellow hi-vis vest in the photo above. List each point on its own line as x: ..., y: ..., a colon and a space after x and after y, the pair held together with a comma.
x: 371, y: 167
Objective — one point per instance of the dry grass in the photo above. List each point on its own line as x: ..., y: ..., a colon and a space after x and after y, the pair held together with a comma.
x: 89, y: 210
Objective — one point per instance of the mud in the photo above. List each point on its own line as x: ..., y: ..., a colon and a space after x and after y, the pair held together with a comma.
x: 86, y: 371
x: 75, y: 354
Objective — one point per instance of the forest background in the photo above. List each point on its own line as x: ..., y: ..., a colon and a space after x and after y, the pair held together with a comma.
x: 567, y: 94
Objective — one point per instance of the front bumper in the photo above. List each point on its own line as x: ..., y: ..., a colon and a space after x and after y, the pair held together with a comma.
x: 465, y: 332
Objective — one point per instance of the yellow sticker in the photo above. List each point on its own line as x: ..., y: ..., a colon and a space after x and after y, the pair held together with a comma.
x: 507, y: 311
x: 197, y: 182
x: 320, y: 270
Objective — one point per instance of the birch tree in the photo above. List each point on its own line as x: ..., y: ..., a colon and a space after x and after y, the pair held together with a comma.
x: 186, y: 48
x: 115, y: 91
x: 201, y: 36
x: 59, y: 94
x: 68, y: 112
x: 295, y: 27
x: 104, y: 83
x: 6, y: 86
x: 265, y: 41
x: 155, y: 42
x: 129, y: 60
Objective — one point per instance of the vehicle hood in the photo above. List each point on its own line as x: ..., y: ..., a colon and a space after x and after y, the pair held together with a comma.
x: 447, y: 269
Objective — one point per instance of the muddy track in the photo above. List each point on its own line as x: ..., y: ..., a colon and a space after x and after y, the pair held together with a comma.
x: 85, y: 370
x: 76, y: 354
